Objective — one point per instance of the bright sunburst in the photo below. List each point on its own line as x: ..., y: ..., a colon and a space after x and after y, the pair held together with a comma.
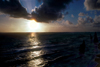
x: 33, y: 26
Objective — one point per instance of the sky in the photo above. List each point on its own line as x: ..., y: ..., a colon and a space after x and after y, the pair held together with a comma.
x: 49, y: 15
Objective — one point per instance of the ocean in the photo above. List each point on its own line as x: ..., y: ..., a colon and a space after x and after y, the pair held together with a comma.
x: 46, y: 49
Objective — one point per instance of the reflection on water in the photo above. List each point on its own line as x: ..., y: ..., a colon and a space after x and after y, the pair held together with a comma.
x: 35, y: 62
x: 45, y: 50
x: 33, y: 39
x: 35, y: 47
x: 38, y: 61
x: 32, y: 34
x: 36, y: 53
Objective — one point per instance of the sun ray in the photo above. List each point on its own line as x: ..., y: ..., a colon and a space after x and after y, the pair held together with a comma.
x: 28, y: 4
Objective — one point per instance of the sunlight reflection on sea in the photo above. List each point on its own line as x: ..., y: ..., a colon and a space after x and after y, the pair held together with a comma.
x: 36, y: 62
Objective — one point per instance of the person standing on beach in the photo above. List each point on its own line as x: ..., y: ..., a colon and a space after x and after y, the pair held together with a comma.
x: 96, y: 42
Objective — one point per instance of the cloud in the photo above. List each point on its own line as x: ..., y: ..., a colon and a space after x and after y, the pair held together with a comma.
x: 92, y: 4
x: 86, y: 24
x: 96, y: 25
x: 81, y: 21
x: 89, y: 19
x: 96, y: 21
x: 72, y: 15
x: 81, y: 14
x: 89, y: 22
x: 13, y: 8
x: 1, y: 13
x: 50, y: 10
x: 68, y: 22
x: 70, y: 27
x: 85, y: 20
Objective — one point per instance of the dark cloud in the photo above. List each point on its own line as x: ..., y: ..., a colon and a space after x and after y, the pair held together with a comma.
x: 50, y: 10
x: 13, y: 8
x: 92, y: 4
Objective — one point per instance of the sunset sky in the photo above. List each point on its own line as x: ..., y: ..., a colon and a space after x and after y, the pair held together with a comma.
x: 49, y: 15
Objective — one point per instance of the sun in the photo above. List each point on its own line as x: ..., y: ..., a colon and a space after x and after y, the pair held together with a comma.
x: 33, y: 26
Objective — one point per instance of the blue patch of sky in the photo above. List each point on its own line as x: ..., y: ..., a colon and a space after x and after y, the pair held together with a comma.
x: 30, y: 4
x: 75, y: 8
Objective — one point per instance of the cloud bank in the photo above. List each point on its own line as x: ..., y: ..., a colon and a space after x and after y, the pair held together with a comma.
x: 13, y: 8
x: 49, y: 9
x: 86, y: 24
x: 92, y: 4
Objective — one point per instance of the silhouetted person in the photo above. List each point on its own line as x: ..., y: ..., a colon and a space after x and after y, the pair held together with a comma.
x: 96, y: 42
x: 90, y: 37
x: 95, y: 38
x: 82, y: 48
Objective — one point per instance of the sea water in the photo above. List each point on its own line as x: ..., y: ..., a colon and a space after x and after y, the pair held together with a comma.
x: 46, y: 49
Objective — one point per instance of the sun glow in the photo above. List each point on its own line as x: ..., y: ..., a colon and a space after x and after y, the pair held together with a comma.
x: 32, y: 34
x: 34, y: 26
